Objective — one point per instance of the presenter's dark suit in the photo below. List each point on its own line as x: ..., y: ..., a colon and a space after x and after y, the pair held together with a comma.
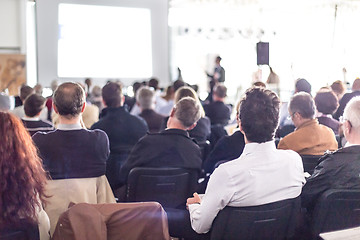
x: 124, y: 131
x: 170, y: 148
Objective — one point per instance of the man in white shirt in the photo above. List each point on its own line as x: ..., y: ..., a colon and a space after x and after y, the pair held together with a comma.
x: 261, y: 175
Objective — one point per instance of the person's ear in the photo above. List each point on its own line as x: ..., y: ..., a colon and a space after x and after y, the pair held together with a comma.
x: 172, y: 113
x: 83, y: 107
x: 55, y: 109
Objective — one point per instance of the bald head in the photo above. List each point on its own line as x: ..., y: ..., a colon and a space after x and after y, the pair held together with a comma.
x: 69, y: 99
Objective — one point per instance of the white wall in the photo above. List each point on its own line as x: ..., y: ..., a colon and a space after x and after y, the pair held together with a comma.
x: 10, y: 24
x: 47, y: 36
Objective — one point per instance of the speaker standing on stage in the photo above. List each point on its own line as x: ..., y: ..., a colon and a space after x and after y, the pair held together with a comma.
x: 219, y: 71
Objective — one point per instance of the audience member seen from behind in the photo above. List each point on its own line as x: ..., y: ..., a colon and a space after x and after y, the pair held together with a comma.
x: 172, y: 147
x: 245, y: 181
x: 346, y: 98
x: 123, y: 129
x: 339, y: 88
x: 201, y: 132
x: 309, y: 137
x: 22, y: 178
x: 33, y: 106
x: 340, y: 169
x: 218, y: 111
x: 145, y: 99
x: 326, y: 104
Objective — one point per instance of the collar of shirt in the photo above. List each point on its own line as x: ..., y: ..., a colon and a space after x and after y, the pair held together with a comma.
x: 256, y: 147
x: 75, y: 126
x: 350, y: 144
x: 30, y: 118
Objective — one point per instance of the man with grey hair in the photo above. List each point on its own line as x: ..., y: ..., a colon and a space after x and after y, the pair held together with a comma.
x: 309, y: 137
x: 172, y: 147
x: 145, y: 99
x: 339, y: 169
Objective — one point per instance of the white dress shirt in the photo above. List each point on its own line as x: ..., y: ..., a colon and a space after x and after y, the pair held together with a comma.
x: 261, y: 175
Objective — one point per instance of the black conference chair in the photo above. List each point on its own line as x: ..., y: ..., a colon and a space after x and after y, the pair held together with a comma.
x: 168, y: 186
x: 275, y: 221
x: 205, y: 149
x: 23, y: 231
x: 336, y: 209
x: 310, y: 162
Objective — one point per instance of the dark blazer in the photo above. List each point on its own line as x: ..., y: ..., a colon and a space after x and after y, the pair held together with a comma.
x: 342, y: 103
x: 337, y: 170
x: 153, y: 120
x: 218, y: 112
x: 226, y: 149
x: 73, y: 153
x: 170, y: 148
x: 122, y: 128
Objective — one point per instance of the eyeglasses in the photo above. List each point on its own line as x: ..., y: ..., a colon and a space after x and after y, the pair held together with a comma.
x: 291, y: 116
x: 342, y: 119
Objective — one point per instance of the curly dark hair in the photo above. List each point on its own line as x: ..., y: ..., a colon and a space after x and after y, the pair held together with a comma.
x: 22, y: 175
x: 259, y: 114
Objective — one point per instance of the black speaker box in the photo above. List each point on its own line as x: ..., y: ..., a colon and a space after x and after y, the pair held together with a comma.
x: 262, y: 50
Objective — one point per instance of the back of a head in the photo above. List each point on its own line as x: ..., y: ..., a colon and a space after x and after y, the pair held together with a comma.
x: 356, y: 85
x: 69, y: 99
x: 38, y: 88
x: 184, y: 92
x: 112, y: 94
x: 154, y: 83
x: 304, y: 104
x: 338, y: 87
x: 259, y: 114
x: 326, y: 102
x: 96, y: 91
x: 25, y: 91
x: 187, y: 111
x: 302, y: 85
x: 178, y: 84
x: 145, y: 97
x: 220, y: 90
x: 352, y: 113
x: 34, y: 104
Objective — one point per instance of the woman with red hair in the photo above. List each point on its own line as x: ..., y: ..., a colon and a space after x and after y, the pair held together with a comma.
x: 22, y: 177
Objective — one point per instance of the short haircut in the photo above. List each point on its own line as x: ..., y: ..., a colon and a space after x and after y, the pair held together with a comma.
x: 338, y: 87
x: 187, y: 111
x: 34, y: 104
x: 302, y: 85
x: 220, y: 90
x: 326, y: 102
x: 69, y: 99
x: 184, y: 92
x: 145, y: 97
x: 154, y: 83
x: 25, y: 91
x: 96, y: 91
x: 259, y: 114
x: 356, y: 85
x: 112, y: 94
x: 188, y: 92
x: 304, y: 104
x: 178, y: 84
x: 352, y: 112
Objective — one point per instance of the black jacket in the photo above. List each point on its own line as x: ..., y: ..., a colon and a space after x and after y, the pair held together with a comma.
x: 170, y: 148
x: 337, y: 170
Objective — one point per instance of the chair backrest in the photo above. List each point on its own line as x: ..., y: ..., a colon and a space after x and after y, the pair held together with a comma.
x: 168, y: 186
x: 77, y: 190
x: 205, y: 149
x: 269, y: 221
x: 24, y: 231
x: 336, y: 209
x: 310, y: 162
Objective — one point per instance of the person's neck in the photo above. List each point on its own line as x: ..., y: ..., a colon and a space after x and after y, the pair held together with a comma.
x: 71, y: 120
x: 175, y: 124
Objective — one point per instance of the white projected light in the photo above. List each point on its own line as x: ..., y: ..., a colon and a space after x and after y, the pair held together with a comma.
x: 104, y: 42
